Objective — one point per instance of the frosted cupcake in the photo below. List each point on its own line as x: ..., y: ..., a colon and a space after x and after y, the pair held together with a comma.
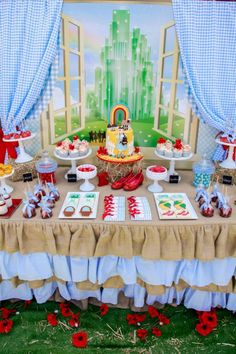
x: 83, y: 150
x: 177, y: 152
x: 168, y: 144
x: 60, y: 150
x: 168, y: 152
x: 66, y: 143
x: 160, y: 149
x: 73, y: 152
x: 186, y: 150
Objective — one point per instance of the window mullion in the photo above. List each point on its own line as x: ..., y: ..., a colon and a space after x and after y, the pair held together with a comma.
x: 67, y: 75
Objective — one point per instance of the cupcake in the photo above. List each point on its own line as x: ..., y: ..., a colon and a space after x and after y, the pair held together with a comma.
x: 160, y: 149
x: 3, y: 207
x: 168, y: 152
x: 83, y: 150
x: 73, y: 152
x: 186, y: 150
x: 60, y: 150
x: 177, y: 152
x: 168, y: 144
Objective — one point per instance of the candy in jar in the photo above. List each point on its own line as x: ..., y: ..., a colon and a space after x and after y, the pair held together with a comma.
x: 46, y: 168
x: 203, y: 171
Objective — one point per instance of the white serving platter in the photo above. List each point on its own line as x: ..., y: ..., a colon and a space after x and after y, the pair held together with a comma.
x: 79, y: 200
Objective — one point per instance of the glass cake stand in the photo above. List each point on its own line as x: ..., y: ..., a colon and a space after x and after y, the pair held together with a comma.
x: 73, y: 160
x: 22, y: 156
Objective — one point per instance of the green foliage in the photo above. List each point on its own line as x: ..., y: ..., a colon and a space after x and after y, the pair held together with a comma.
x: 112, y: 334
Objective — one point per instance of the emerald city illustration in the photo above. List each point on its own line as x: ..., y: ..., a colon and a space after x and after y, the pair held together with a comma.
x: 121, y: 56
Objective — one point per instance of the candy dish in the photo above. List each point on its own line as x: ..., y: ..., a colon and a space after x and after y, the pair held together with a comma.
x: 156, y: 173
x: 22, y: 156
x: 86, y: 172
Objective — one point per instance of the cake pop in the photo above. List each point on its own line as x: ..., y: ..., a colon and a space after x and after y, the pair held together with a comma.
x: 53, y: 191
x: 39, y: 191
x: 206, y: 208
x: 33, y: 199
x: 49, y: 201
x: 46, y: 212
x: 28, y: 209
x: 214, y: 194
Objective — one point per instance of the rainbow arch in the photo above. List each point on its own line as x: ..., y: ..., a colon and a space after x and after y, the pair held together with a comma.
x: 118, y: 107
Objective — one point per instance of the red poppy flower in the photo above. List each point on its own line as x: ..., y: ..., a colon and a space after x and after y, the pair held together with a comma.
x: 209, y: 318
x: 74, y: 321
x: 153, y: 311
x: 163, y: 319
x: 27, y: 303
x: 64, y: 305
x: 134, y: 319
x: 6, y: 312
x: 142, y: 333
x: 80, y: 339
x: 156, y: 331
x: 52, y: 319
x: 6, y: 326
x: 204, y: 329
x: 104, y: 309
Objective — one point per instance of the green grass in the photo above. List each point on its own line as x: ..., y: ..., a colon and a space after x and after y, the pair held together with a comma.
x: 144, y: 134
x: 112, y: 334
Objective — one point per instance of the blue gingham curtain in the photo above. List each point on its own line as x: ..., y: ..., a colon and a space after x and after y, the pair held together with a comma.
x: 29, y: 47
x: 206, y: 32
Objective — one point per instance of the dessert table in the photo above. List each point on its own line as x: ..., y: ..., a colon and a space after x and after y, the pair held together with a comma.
x: 124, y: 263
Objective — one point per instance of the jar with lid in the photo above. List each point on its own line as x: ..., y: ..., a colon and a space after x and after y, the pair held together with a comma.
x: 203, y: 171
x: 46, y: 168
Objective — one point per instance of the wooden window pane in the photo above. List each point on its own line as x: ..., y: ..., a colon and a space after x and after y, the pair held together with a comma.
x: 73, y: 36
x: 60, y: 124
x: 74, y: 64
x: 74, y: 91
x: 181, y: 102
x: 178, y: 127
x: 167, y: 67
x: 59, y: 95
x: 165, y: 94
x: 170, y: 39
x: 163, y: 120
x: 75, y: 118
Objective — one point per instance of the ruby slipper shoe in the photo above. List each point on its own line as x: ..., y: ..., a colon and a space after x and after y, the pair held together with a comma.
x: 121, y: 182
x: 134, y: 182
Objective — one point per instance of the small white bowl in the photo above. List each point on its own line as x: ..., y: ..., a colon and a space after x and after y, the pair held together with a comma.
x: 86, y: 175
x: 156, y: 176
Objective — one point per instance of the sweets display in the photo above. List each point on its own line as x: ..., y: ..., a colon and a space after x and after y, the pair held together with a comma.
x: 174, y: 206
x: 119, y: 139
x: 203, y: 171
x: 114, y: 208
x: 5, y: 170
x: 156, y: 173
x: 206, y: 201
x: 46, y: 168
x: 72, y: 149
x: 139, y: 208
x: 86, y: 172
x: 177, y: 150
x: 80, y: 205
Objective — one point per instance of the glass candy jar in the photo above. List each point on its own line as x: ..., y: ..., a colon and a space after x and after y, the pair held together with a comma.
x: 203, y: 171
x: 46, y: 168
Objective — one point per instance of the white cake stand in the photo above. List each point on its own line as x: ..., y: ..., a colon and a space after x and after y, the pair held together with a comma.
x: 73, y: 160
x: 87, y: 186
x: 3, y: 185
x: 229, y: 162
x: 172, y: 160
x: 22, y: 154
x: 155, y: 176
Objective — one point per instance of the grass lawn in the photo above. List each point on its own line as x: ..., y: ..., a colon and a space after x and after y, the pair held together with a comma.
x: 144, y: 134
x: 111, y: 333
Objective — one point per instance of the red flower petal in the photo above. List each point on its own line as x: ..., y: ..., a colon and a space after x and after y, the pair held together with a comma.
x: 104, y: 309
x: 203, y: 329
x: 142, y: 333
x: 6, y: 326
x: 80, y: 339
x: 163, y: 319
x: 52, y: 319
x: 209, y: 318
x: 156, y: 331
x: 153, y: 312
